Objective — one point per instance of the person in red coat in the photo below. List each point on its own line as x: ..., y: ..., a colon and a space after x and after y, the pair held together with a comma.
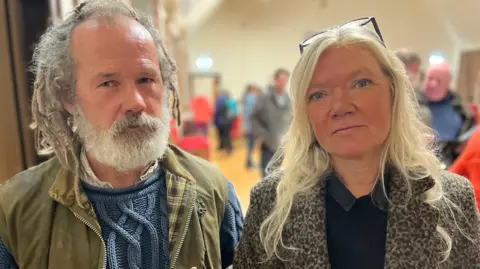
x: 468, y: 163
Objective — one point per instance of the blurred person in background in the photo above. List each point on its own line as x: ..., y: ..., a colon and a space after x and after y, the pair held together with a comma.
x: 220, y: 106
x: 225, y: 114
x: 360, y: 187
x: 413, y: 63
x: 450, y: 118
x: 249, y: 100
x: 232, y: 107
x: 271, y: 117
x: 116, y: 195
x: 468, y: 163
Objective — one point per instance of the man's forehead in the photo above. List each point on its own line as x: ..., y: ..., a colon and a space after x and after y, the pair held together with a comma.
x: 100, y: 30
x: 439, y: 69
x: 111, y: 44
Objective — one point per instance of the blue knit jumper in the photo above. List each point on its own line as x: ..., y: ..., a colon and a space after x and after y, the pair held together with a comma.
x: 134, y: 223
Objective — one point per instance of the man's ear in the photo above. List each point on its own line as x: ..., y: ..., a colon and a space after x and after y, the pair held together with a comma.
x: 68, y: 107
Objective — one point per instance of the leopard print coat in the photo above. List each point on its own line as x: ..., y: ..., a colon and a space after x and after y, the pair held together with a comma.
x: 412, y: 238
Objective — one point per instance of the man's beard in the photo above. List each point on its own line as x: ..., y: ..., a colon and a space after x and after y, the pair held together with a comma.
x: 129, y: 143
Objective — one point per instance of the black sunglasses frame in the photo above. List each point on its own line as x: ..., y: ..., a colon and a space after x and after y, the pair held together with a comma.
x: 366, y: 20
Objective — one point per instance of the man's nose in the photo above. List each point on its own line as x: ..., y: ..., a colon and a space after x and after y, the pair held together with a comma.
x: 134, y: 102
x: 433, y: 83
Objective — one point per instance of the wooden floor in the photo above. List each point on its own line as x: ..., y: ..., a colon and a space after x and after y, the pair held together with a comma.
x: 234, y: 168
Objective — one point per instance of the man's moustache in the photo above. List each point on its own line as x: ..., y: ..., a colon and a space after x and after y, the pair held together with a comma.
x: 135, y: 122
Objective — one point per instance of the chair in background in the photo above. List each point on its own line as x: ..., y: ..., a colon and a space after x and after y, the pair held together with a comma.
x: 196, y: 144
x: 475, y: 112
x: 237, y: 130
x: 202, y: 112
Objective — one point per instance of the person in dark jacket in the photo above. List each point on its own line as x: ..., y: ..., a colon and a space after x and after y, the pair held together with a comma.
x: 451, y: 118
x: 219, y: 118
x: 225, y: 114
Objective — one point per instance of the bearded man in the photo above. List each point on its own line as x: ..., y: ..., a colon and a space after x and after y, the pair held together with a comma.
x: 115, y: 195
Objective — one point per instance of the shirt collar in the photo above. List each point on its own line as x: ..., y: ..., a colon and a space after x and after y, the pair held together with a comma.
x: 340, y: 193
x: 88, y: 176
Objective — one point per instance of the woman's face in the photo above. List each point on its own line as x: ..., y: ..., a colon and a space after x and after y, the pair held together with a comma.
x: 349, y: 103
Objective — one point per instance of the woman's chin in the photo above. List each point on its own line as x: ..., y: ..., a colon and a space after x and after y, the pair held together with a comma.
x: 351, y: 152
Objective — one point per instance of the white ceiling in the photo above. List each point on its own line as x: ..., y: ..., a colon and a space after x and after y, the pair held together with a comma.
x: 461, y: 18
x: 192, y: 12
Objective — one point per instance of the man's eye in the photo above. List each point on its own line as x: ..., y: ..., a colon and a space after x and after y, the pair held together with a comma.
x: 108, y: 84
x: 145, y: 80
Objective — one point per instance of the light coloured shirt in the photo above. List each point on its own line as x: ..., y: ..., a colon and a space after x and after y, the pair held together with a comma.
x: 89, y: 177
x: 281, y: 99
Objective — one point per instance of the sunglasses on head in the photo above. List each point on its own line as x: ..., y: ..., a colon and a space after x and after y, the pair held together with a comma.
x: 357, y: 22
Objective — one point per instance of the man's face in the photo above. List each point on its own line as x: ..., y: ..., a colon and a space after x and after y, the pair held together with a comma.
x: 281, y: 81
x: 120, y: 109
x: 413, y: 68
x: 437, y: 82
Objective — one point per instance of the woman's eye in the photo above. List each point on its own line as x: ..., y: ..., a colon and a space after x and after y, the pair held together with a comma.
x: 145, y: 80
x: 361, y: 83
x: 316, y: 96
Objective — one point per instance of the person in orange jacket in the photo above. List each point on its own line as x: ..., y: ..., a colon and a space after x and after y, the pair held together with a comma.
x: 468, y: 163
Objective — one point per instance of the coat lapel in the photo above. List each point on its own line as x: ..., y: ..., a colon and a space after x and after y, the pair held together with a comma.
x: 306, y: 230
x: 412, y: 239
x: 274, y: 99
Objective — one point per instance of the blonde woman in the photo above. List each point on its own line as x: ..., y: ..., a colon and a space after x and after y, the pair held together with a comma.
x: 359, y: 188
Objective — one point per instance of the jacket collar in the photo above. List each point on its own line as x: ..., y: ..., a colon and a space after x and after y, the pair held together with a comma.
x: 408, y: 235
x: 172, y: 165
x: 64, y: 189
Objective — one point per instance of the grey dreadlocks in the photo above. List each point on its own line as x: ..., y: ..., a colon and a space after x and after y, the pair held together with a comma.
x: 55, y: 78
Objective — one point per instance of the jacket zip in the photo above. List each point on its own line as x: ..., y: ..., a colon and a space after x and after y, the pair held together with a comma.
x: 104, y: 266
x: 182, y: 239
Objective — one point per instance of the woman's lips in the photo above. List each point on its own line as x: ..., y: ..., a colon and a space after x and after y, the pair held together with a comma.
x: 346, y: 129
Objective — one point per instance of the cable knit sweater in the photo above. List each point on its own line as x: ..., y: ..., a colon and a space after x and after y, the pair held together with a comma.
x: 6, y: 261
x: 134, y: 224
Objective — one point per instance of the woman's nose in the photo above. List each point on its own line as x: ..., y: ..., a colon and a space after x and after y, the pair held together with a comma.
x: 342, y: 104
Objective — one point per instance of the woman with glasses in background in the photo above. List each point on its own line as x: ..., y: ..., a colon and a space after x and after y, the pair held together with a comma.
x: 360, y: 187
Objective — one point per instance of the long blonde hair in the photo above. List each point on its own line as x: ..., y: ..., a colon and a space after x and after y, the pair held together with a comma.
x: 407, y: 147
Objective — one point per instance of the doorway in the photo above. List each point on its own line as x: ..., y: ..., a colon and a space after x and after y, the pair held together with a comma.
x: 203, y: 91
x: 469, y: 76
x: 204, y: 84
